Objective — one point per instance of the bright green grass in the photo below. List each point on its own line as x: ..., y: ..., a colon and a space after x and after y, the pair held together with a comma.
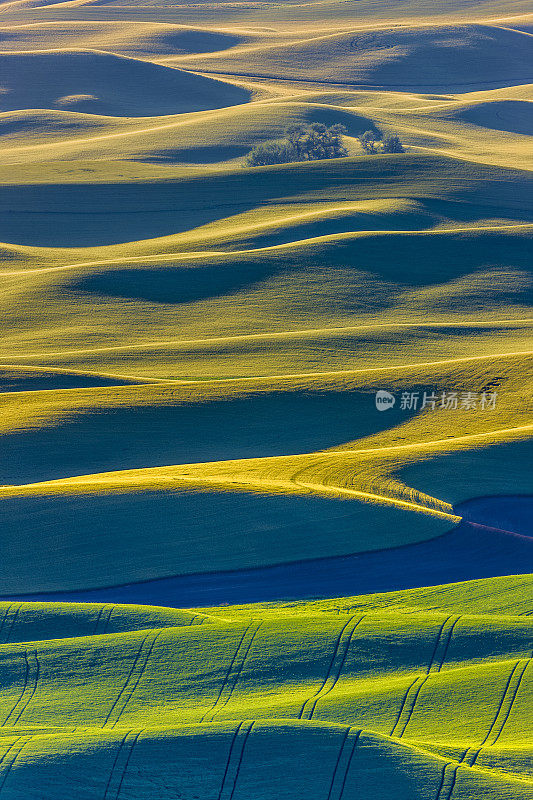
x: 177, y: 321
x: 384, y: 694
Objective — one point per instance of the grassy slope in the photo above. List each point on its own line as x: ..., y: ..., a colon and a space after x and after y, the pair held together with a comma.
x: 147, y: 310
x: 360, y: 693
x: 289, y: 16
x: 106, y: 84
x: 467, y: 125
x: 260, y: 422
x: 425, y: 59
x: 137, y: 39
x: 195, y: 347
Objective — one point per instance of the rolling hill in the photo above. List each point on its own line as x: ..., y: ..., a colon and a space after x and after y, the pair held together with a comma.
x: 227, y: 572
x: 426, y: 59
x: 101, y: 83
x: 355, y: 698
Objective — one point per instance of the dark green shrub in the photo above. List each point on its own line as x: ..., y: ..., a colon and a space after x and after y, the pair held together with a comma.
x: 369, y: 140
x: 372, y: 143
x: 301, y: 143
x: 392, y: 144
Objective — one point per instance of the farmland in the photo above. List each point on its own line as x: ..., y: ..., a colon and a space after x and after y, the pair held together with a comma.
x: 214, y: 542
x: 326, y: 693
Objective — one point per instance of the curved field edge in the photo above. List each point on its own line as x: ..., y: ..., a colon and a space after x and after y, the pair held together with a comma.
x: 357, y: 496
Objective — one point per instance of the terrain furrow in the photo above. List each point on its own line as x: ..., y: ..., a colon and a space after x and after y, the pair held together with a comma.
x: 343, y: 763
x: 234, y: 762
x: 24, y: 687
x: 10, y: 758
x: 117, y: 767
x: 471, y: 755
x: 10, y: 620
x: 31, y: 679
x: 248, y: 632
x: 408, y: 706
x: 507, y: 702
x: 335, y: 673
x: 443, y: 630
x: 411, y: 696
x: 4, y: 618
x: 338, y: 658
x: 234, y: 673
x: 105, y: 619
x: 440, y: 657
x: 447, y: 784
x: 9, y: 748
x: 132, y: 681
x: 120, y: 765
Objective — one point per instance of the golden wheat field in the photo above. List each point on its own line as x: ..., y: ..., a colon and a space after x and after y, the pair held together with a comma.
x: 266, y: 429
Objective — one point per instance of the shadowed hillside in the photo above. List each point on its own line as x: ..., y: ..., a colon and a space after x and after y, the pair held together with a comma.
x: 99, y: 83
x: 429, y: 59
x: 237, y: 398
x: 514, y: 116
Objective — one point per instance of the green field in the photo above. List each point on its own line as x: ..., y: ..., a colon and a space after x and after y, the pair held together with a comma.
x: 414, y: 694
x: 189, y: 359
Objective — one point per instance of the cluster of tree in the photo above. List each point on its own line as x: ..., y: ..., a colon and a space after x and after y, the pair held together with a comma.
x: 372, y: 142
x: 317, y: 141
x: 301, y: 143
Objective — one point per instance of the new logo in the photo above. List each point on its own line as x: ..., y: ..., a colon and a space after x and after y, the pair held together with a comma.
x: 384, y: 400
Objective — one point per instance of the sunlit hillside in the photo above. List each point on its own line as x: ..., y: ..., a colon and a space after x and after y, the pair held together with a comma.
x: 413, y: 695
x: 191, y: 359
